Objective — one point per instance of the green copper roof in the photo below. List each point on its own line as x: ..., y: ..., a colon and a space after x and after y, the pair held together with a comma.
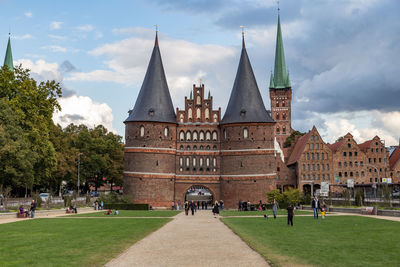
x: 280, y: 76
x: 271, y: 81
x: 8, y: 60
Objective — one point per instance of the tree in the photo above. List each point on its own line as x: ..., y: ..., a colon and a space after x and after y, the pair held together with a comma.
x: 290, y: 139
x: 274, y: 194
x: 292, y: 196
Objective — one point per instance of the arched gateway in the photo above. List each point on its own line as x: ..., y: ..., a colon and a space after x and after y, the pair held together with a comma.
x: 199, y: 193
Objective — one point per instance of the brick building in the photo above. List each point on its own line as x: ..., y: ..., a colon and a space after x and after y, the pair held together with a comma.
x: 378, y: 159
x: 236, y: 157
x: 394, y: 162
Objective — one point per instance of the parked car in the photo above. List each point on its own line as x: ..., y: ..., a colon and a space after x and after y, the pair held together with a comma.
x: 44, y: 196
x: 94, y: 194
x: 396, y: 194
x: 68, y: 193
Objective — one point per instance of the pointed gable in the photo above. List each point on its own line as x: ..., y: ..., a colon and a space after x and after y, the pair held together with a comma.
x: 299, y: 148
x: 154, y: 101
x: 8, y: 60
x: 245, y: 103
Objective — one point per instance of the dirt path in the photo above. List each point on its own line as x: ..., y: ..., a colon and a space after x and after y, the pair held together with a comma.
x: 199, y: 240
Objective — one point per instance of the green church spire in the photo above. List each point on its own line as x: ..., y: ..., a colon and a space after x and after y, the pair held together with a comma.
x: 281, y: 79
x: 271, y: 81
x: 8, y: 60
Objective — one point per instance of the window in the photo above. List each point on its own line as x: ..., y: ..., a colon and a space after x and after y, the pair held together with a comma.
x: 207, y: 113
x: 215, y: 117
x: 340, y: 164
x: 195, y: 136
x: 304, y: 167
x: 322, y: 166
x: 182, y: 135
x: 340, y: 174
x: 351, y: 164
x: 208, y: 162
x: 224, y: 134
x: 313, y: 167
x: 344, y: 153
x: 318, y: 167
x: 283, y: 116
x: 323, y: 177
x: 355, y: 163
x: 201, y: 162
x: 308, y: 156
x: 313, y: 176
x: 214, y: 147
x: 327, y: 167
x: 351, y: 174
x: 141, y: 131
x: 208, y: 135
x: 312, y: 156
x: 308, y: 167
x: 201, y: 136
x: 215, y: 162
x: 198, y: 100
x: 361, y: 163
x: 380, y: 159
x: 207, y: 147
x: 374, y: 160
x: 349, y: 145
x: 188, y: 148
x: 198, y: 114
x: 350, y: 154
x: 194, y: 147
x: 319, y: 177
x: 194, y: 162
x: 188, y: 136
x: 214, y: 136
x: 277, y: 116
x: 355, y: 154
x: 187, y: 161
x: 283, y: 103
x: 317, y: 155
x: 345, y: 164
x: 245, y: 133
x: 181, y: 117
x: 317, y: 146
x: 277, y: 129
x: 181, y: 147
x: 312, y: 146
x: 322, y: 156
x: 190, y: 116
x: 180, y: 162
x: 277, y: 104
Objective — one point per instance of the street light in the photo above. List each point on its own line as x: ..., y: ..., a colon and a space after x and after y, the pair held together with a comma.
x: 79, y: 170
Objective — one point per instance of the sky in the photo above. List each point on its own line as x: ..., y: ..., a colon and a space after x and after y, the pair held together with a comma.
x: 342, y: 56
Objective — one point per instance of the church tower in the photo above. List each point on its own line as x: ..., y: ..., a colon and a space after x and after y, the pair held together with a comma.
x: 247, y: 141
x: 280, y: 92
x: 150, y: 132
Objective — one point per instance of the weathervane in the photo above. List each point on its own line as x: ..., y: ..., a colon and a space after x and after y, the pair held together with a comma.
x: 278, y: 6
x: 242, y: 30
x: 156, y: 26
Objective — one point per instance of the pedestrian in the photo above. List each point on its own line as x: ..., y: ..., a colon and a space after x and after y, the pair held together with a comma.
x: 316, y: 206
x: 260, y: 205
x: 215, y: 209
x: 248, y: 205
x: 102, y: 205
x: 195, y: 206
x: 186, y: 208
x: 290, y: 214
x: 96, y: 206
x: 172, y: 205
x: 275, y: 208
x: 192, y: 207
x: 33, y: 208
x: 179, y: 204
x: 202, y: 205
x: 240, y: 205
x: 205, y: 205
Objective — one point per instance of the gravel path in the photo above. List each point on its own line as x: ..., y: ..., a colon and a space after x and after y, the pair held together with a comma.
x: 199, y: 240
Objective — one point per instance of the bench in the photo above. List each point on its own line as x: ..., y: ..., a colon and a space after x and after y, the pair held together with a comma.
x: 21, y: 215
x: 367, y: 210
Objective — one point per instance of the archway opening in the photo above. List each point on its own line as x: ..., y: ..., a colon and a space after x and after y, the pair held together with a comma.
x: 201, y: 195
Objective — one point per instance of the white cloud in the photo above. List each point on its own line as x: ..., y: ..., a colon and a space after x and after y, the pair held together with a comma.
x: 83, y: 110
x: 57, y: 37
x: 42, y: 70
x: 55, y: 48
x: 85, y: 28
x: 55, y: 25
x: 23, y: 37
x: 28, y: 14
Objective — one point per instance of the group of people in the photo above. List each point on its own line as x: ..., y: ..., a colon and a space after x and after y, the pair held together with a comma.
x: 246, y: 206
x: 109, y: 212
x: 193, y: 206
x: 97, y: 205
x: 197, y: 205
x: 31, y: 211
x: 317, y: 207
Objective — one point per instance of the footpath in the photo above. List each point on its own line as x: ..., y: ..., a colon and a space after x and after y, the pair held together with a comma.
x: 199, y: 240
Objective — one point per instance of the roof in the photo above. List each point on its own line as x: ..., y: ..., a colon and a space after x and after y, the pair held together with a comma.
x: 364, y: 146
x: 8, y: 59
x: 335, y: 146
x: 394, y: 158
x: 154, y: 102
x: 299, y: 148
x: 245, y: 103
x: 280, y: 77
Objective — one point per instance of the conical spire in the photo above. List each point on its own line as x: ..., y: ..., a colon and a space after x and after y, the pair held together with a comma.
x: 280, y: 75
x: 154, y: 101
x: 245, y: 103
x: 191, y: 95
x: 8, y: 60
x: 271, y: 81
x: 209, y: 94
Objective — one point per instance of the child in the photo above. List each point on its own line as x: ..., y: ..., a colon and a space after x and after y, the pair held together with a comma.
x: 323, y: 213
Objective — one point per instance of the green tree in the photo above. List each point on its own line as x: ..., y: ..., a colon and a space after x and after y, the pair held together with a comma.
x: 274, y: 194
x: 292, y: 196
x: 290, y: 139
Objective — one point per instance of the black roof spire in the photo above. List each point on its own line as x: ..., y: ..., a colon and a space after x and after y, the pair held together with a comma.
x: 245, y: 104
x: 154, y: 100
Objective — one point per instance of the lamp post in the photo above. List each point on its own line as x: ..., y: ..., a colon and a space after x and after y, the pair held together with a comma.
x: 79, y: 171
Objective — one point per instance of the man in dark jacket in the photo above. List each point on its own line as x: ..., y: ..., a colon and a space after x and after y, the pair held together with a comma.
x: 192, y: 207
x: 315, y: 206
x: 290, y: 214
x: 33, y: 208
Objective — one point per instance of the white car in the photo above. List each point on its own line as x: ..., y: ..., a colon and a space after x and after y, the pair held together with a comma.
x: 44, y: 196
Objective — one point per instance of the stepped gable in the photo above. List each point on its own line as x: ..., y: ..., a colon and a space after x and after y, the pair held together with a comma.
x: 154, y: 102
x: 245, y: 103
x: 298, y: 149
x: 335, y: 146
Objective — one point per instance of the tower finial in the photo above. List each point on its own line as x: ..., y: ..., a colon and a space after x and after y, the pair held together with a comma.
x: 243, y: 43
x: 156, y: 42
x: 278, y: 6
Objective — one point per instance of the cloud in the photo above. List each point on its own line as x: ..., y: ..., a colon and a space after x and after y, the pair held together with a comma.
x: 23, y: 37
x: 57, y: 37
x: 42, y: 70
x: 28, y: 14
x: 83, y: 110
x: 85, y: 28
x: 55, y: 48
x: 56, y: 25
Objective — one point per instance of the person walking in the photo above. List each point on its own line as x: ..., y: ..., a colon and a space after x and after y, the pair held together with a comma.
x: 102, y: 205
x: 215, y: 209
x: 240, y: 205
x: 173, y: 205
x: 315, y: 206
x: 192, y: 207
x: 275, y: 208
x: 290, y: 214
x: 33, y: 208
x: 186, y: 208
x: 260, y: 205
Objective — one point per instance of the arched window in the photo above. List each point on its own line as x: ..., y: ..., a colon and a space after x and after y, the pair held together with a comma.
x: 201, y: 147
x: 214, y: 136
x: 208, y: 135
x: 283, y: 103
x: 208, y: 162
x: 215, y: 117
x: 277, y: 129
x: 182, y: 135
x: 283, y: 129
x: 166, y: 131
x: 277, y: 104
x: 194, y: 147
x: 194, y: 162
x: 188, y: 148
x: 201, y: 137
x: 142, y: 131
x: 187, y: 161
x: 198, y: 114
x: 283, y: 116
x: 245, y: 133
x: 188, y: 136
x: 215, y: 162
x: 195, y: 137
x: 190, y: 115
x: 181, y: 147
x: 201, y: 162
x: 277, y: 116
x: 207, y: 113
x: 224, y: 134
x: 180, y: 162
x: 181, y: 117
x: 198, y: 100
x: 214, y: 147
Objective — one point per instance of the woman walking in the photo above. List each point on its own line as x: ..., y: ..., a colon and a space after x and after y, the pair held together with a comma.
x: 215, y: 209
x: 275, y: 208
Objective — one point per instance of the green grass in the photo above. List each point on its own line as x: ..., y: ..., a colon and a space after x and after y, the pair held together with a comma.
x: 70, y: 242
x: 131, y: 213
x: 335, y: 241
x: 258, y: 213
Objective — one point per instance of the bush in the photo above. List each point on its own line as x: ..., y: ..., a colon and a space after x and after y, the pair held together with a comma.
x: 359, y: 197
x: 275, y: 194
x: 126, y: 206
x: 292, y: 196
x: 306, y: 200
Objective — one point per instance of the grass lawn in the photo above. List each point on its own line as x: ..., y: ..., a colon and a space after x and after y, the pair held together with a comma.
x: 70, y: 242
x: 335, y: 241
x: 131, y: 213
x: 258, y: 213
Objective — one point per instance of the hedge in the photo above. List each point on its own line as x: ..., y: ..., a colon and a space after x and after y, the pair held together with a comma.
x: 126, y: 206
